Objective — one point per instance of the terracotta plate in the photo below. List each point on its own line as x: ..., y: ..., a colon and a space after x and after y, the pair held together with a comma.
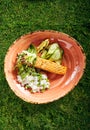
x: 74, y: 59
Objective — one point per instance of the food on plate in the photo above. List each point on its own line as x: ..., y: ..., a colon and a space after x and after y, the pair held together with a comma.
x: 28, y: 76
x: 32, y: 80
x: 47, y: 57
x: 50, y: 66
x: 51, y: 52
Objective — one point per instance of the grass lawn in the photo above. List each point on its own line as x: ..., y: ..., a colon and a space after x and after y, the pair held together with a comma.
x: 18, y: 17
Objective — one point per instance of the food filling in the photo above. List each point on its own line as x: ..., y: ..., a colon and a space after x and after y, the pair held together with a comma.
x: 29, y: 76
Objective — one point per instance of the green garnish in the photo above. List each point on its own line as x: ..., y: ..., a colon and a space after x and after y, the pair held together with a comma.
x: 32, y: 49
x: 44, y: 44
x: 51, y: 52
x: 27, y: 56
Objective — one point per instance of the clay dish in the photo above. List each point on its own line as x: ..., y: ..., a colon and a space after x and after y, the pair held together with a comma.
x: 74, y: 59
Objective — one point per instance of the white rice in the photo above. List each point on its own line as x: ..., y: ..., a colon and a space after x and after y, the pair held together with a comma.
x: 34, y: 82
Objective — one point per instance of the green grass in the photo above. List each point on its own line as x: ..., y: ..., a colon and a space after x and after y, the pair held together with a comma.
x: 18, y: 17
